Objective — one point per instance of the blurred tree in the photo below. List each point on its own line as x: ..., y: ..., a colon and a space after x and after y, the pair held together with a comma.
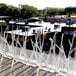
x: 70, y: 10
x: 55, y: 11
x: 28, y: 11
x: 13, y: 11
x: 52, y: 11
x: 61, y: 11
x: 3, y: 9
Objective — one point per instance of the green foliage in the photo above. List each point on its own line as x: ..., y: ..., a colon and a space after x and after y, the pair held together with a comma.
x: 70, y: 10
x: 55, y: 11
x: 29, y: 11
x: 52, y: 11
x: 61, y: 11
x: 3, y: 9
x: 26, y: 11
x: 13, y: 11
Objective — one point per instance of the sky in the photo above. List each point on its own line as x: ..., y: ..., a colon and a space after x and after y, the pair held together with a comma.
x: 40, y: 4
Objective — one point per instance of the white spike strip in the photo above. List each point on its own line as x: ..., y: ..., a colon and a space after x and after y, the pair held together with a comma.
x: 50, y: 62
x: 71, y: 43
x: 12, y: 67
x: 38, y: 69
x: 24, y: 45
x: 1, y: 60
